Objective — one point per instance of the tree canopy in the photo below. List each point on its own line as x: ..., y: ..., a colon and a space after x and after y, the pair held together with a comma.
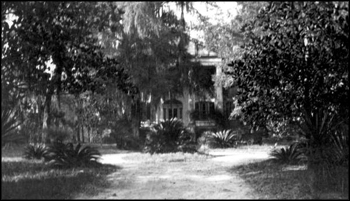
x: 64, y: 33
x: 298, y: 68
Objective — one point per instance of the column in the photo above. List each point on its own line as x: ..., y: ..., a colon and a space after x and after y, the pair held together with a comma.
x: 218, y: 89
x: 186, y: 107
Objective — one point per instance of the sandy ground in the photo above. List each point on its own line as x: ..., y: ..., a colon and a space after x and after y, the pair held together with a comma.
x: 208, y: 179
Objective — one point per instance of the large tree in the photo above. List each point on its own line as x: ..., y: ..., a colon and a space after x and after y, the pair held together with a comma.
x: 64, y: 33
x: 297, y: 69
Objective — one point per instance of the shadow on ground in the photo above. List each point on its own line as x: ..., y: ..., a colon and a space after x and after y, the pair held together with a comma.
x: 27, y: 180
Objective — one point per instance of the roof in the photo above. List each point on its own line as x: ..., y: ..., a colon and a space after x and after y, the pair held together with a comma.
x: 200, y: 51
x: 203, y: 56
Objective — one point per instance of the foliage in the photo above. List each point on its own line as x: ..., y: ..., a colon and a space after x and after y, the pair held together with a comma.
x: 57, y: 134
x: 9, y: 124
x: 67, y: 155
x: 132, y: 142
x: 224, y: 138
x: 297, y: 69
x: 287, y: 155
x: 250, y: 138
x: 202, y: 80
x: 166, y: 137
x: 67, y: 40
x: 341, y: 148
x: 64, y: 34
x: 35, y: 151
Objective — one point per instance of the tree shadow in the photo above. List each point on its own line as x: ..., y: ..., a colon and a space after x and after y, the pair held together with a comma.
x: 282, y: 181
x: 26, y: 180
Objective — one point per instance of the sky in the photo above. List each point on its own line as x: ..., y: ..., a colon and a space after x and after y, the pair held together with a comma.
x: 228, y: 10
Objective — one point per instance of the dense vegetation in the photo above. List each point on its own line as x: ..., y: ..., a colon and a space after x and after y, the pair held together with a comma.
x: 296, y: 72
x: 287, y: 60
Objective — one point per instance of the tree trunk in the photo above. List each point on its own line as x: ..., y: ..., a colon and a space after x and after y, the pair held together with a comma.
x: 46, y: 119
x: 82, y: 133
x: 78, y: 133
x: 136, y: 117
x: 89, y: 134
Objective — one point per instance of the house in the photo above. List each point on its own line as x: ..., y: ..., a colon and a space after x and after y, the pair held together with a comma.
x: 203, y: 105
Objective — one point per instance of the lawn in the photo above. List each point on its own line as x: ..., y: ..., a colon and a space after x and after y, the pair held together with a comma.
x: 32, y: 179
x: 280, y: 181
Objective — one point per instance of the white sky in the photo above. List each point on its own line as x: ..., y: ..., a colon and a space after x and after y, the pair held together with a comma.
x: 228, y: 10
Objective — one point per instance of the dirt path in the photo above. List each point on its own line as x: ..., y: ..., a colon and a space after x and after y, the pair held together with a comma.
x: 207, y: 179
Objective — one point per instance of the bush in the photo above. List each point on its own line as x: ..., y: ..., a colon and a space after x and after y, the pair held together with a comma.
x: 224, y: 138
x: 9, y: 124
x: 206, y: 140
x: 130, y: 143
x: 57, y: 134
x: 68, y: 155
x: 287, y: 155
x: 166, y: 137
x: 35, y: 151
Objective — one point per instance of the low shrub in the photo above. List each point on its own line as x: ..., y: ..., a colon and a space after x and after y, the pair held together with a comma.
x: 9, y: 126
x: 287, y: 155
x: 205, y: 140
x: 224, y: 138
x: 35, y: 151
x: 57, y: 134
x: 67, y: 155
x: 130, y: 143
x: 168, y: 136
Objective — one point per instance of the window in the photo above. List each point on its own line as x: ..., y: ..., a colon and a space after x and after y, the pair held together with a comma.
x: 172, y: 109
x: 204, y: 108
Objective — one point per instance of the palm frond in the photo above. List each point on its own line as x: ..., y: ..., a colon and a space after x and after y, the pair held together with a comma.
x: 9, y: 124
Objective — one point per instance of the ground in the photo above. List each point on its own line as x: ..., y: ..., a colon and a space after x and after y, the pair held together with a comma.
x: 178, y: 179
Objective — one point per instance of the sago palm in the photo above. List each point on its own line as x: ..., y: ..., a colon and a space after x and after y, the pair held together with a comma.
x: 224, y: 138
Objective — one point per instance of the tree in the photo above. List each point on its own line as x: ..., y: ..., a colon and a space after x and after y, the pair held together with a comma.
x: 297, y: 69
x: 149, y: 51
x: 61, y: 32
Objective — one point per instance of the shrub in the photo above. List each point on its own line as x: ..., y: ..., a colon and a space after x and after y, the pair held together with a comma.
x: 224, y: 138
x: 206, y: 140
x: 287, y: 155
x: 251, y: 138
x: 9, y: 124
x: 67, y: 155
x: 131, y: 143
x: 35, y: 151
x: 166, y: 137
x: 57, y: 134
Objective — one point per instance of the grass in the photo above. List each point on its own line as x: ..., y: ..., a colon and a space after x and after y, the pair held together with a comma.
x: 32, y: 179
x: 275, y: 181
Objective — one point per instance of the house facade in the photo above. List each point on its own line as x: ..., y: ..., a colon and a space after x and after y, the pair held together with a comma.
x: 184, y: 107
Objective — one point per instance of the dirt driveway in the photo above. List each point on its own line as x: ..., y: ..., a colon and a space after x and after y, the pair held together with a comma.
x: 208, y: 179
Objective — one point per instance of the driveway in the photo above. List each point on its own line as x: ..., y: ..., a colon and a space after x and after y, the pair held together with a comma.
x: 206, y: 179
